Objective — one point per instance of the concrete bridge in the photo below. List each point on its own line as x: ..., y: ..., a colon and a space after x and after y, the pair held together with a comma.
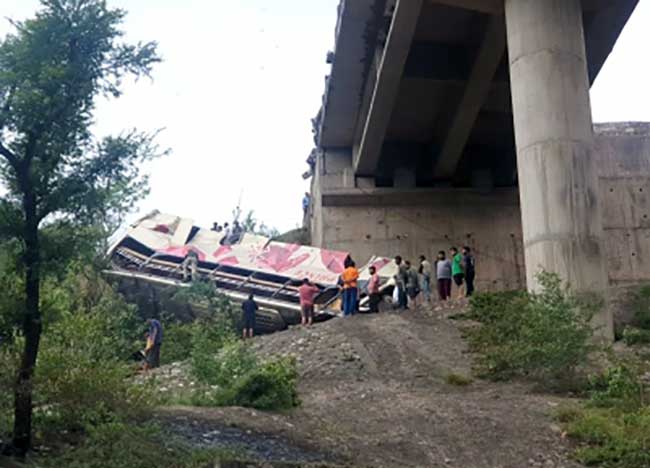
x: 448, y: 122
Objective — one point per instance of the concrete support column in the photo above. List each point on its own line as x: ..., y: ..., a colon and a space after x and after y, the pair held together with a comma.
x: 558, y: 183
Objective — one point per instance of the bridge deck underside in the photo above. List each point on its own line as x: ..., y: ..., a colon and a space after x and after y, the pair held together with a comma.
x: 448, y: 115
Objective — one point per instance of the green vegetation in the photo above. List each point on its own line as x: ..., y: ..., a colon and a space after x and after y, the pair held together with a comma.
x: 638, y: 331
x: 617, y: 387
x: 251, y: 224
x: 235, y: 376
x: 641, y: 308
x: 270, y: 385
x: 62, y: 188
x: 220, y: 363
x: 545, y: 336
x: 63, y: 192
x: 120, y: 445
x: 634, y: 336
x: 229, y: 371
x: 85, y: 397
x: 178, y: 341
x: 612, y: 429
x: 83, y: 382
x: 458, y: 380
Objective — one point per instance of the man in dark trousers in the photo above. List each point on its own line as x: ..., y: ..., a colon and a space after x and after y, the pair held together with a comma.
x: 457, y: 271
x: 373, y: 290
x: 249, y: 308
x: 154, y: 341
x: 470, y: 271
x: 401, y: 278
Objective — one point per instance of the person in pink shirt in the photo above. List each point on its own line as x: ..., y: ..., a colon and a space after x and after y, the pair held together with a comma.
x: 307, y: 294
x: 373, y: 290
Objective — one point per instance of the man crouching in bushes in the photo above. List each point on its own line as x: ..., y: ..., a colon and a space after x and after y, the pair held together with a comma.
x: 154, y: 340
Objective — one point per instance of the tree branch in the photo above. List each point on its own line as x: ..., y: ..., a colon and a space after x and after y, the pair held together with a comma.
x: 9, y: 156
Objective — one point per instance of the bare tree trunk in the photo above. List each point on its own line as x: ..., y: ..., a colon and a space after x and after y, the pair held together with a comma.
x: 22, y: 434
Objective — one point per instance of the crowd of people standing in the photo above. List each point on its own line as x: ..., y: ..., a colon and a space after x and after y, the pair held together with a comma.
x: 414, y: 286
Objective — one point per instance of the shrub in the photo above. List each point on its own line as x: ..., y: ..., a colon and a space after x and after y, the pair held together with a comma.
x: 219, y: 309
x: 229, y: 362
x: 543, y: 335
x: 613, y: 426
x: 236, y: 378
x: 81, y: 378
x: 178, y: 342
x: 80, y: 381
x: 633, y: 336
x: 568, y: 413
x: 269, y: 386
x: 85, y: 307
x: 641, y: 307
x: 611, y: 438
x: 206, y: 331
x: 458, y: 380
x: 619, y: 386
x: 487, y: 307
x: 202, y: 339
x: 501, y: 316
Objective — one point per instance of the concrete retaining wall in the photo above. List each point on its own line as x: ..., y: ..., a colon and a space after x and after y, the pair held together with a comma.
x: 382, y: 221
x: 623, y: 155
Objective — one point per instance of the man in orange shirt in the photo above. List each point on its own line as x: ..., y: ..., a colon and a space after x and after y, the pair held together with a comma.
x: 349, y: 278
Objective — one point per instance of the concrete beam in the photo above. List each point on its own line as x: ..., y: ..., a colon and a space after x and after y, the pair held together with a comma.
x: 355, y: 27
x: 391, y: 68
x: 603, y: 30
x: 476, y: 92
x: 484, y: 6
x: 438, y: 197
x: 593, y: 5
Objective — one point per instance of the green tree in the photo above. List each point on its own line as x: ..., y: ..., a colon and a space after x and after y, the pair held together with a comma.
x: 251, y: 224
x: 56, y: 175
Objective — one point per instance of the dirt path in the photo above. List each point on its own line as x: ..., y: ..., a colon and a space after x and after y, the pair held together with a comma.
x: 374, y: 393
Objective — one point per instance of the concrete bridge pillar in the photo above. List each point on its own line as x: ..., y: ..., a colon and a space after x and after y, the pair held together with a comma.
x: 558, y: 182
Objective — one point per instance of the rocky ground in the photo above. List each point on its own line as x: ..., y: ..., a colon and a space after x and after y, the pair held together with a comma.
x: 375, y: 392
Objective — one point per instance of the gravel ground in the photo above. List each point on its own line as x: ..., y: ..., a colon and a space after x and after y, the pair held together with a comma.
x: 204, y: 433
x: 375, y: 393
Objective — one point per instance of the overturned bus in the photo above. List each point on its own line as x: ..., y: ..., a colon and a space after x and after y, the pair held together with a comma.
x: 153, y: 250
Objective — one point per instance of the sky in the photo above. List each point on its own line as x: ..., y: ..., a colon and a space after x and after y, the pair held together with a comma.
x: 239, y: 85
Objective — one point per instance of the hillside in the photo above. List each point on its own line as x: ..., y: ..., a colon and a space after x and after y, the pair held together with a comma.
x: 375, y: 392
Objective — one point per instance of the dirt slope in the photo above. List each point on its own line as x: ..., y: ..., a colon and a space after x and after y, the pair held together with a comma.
x: 374, y: 393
